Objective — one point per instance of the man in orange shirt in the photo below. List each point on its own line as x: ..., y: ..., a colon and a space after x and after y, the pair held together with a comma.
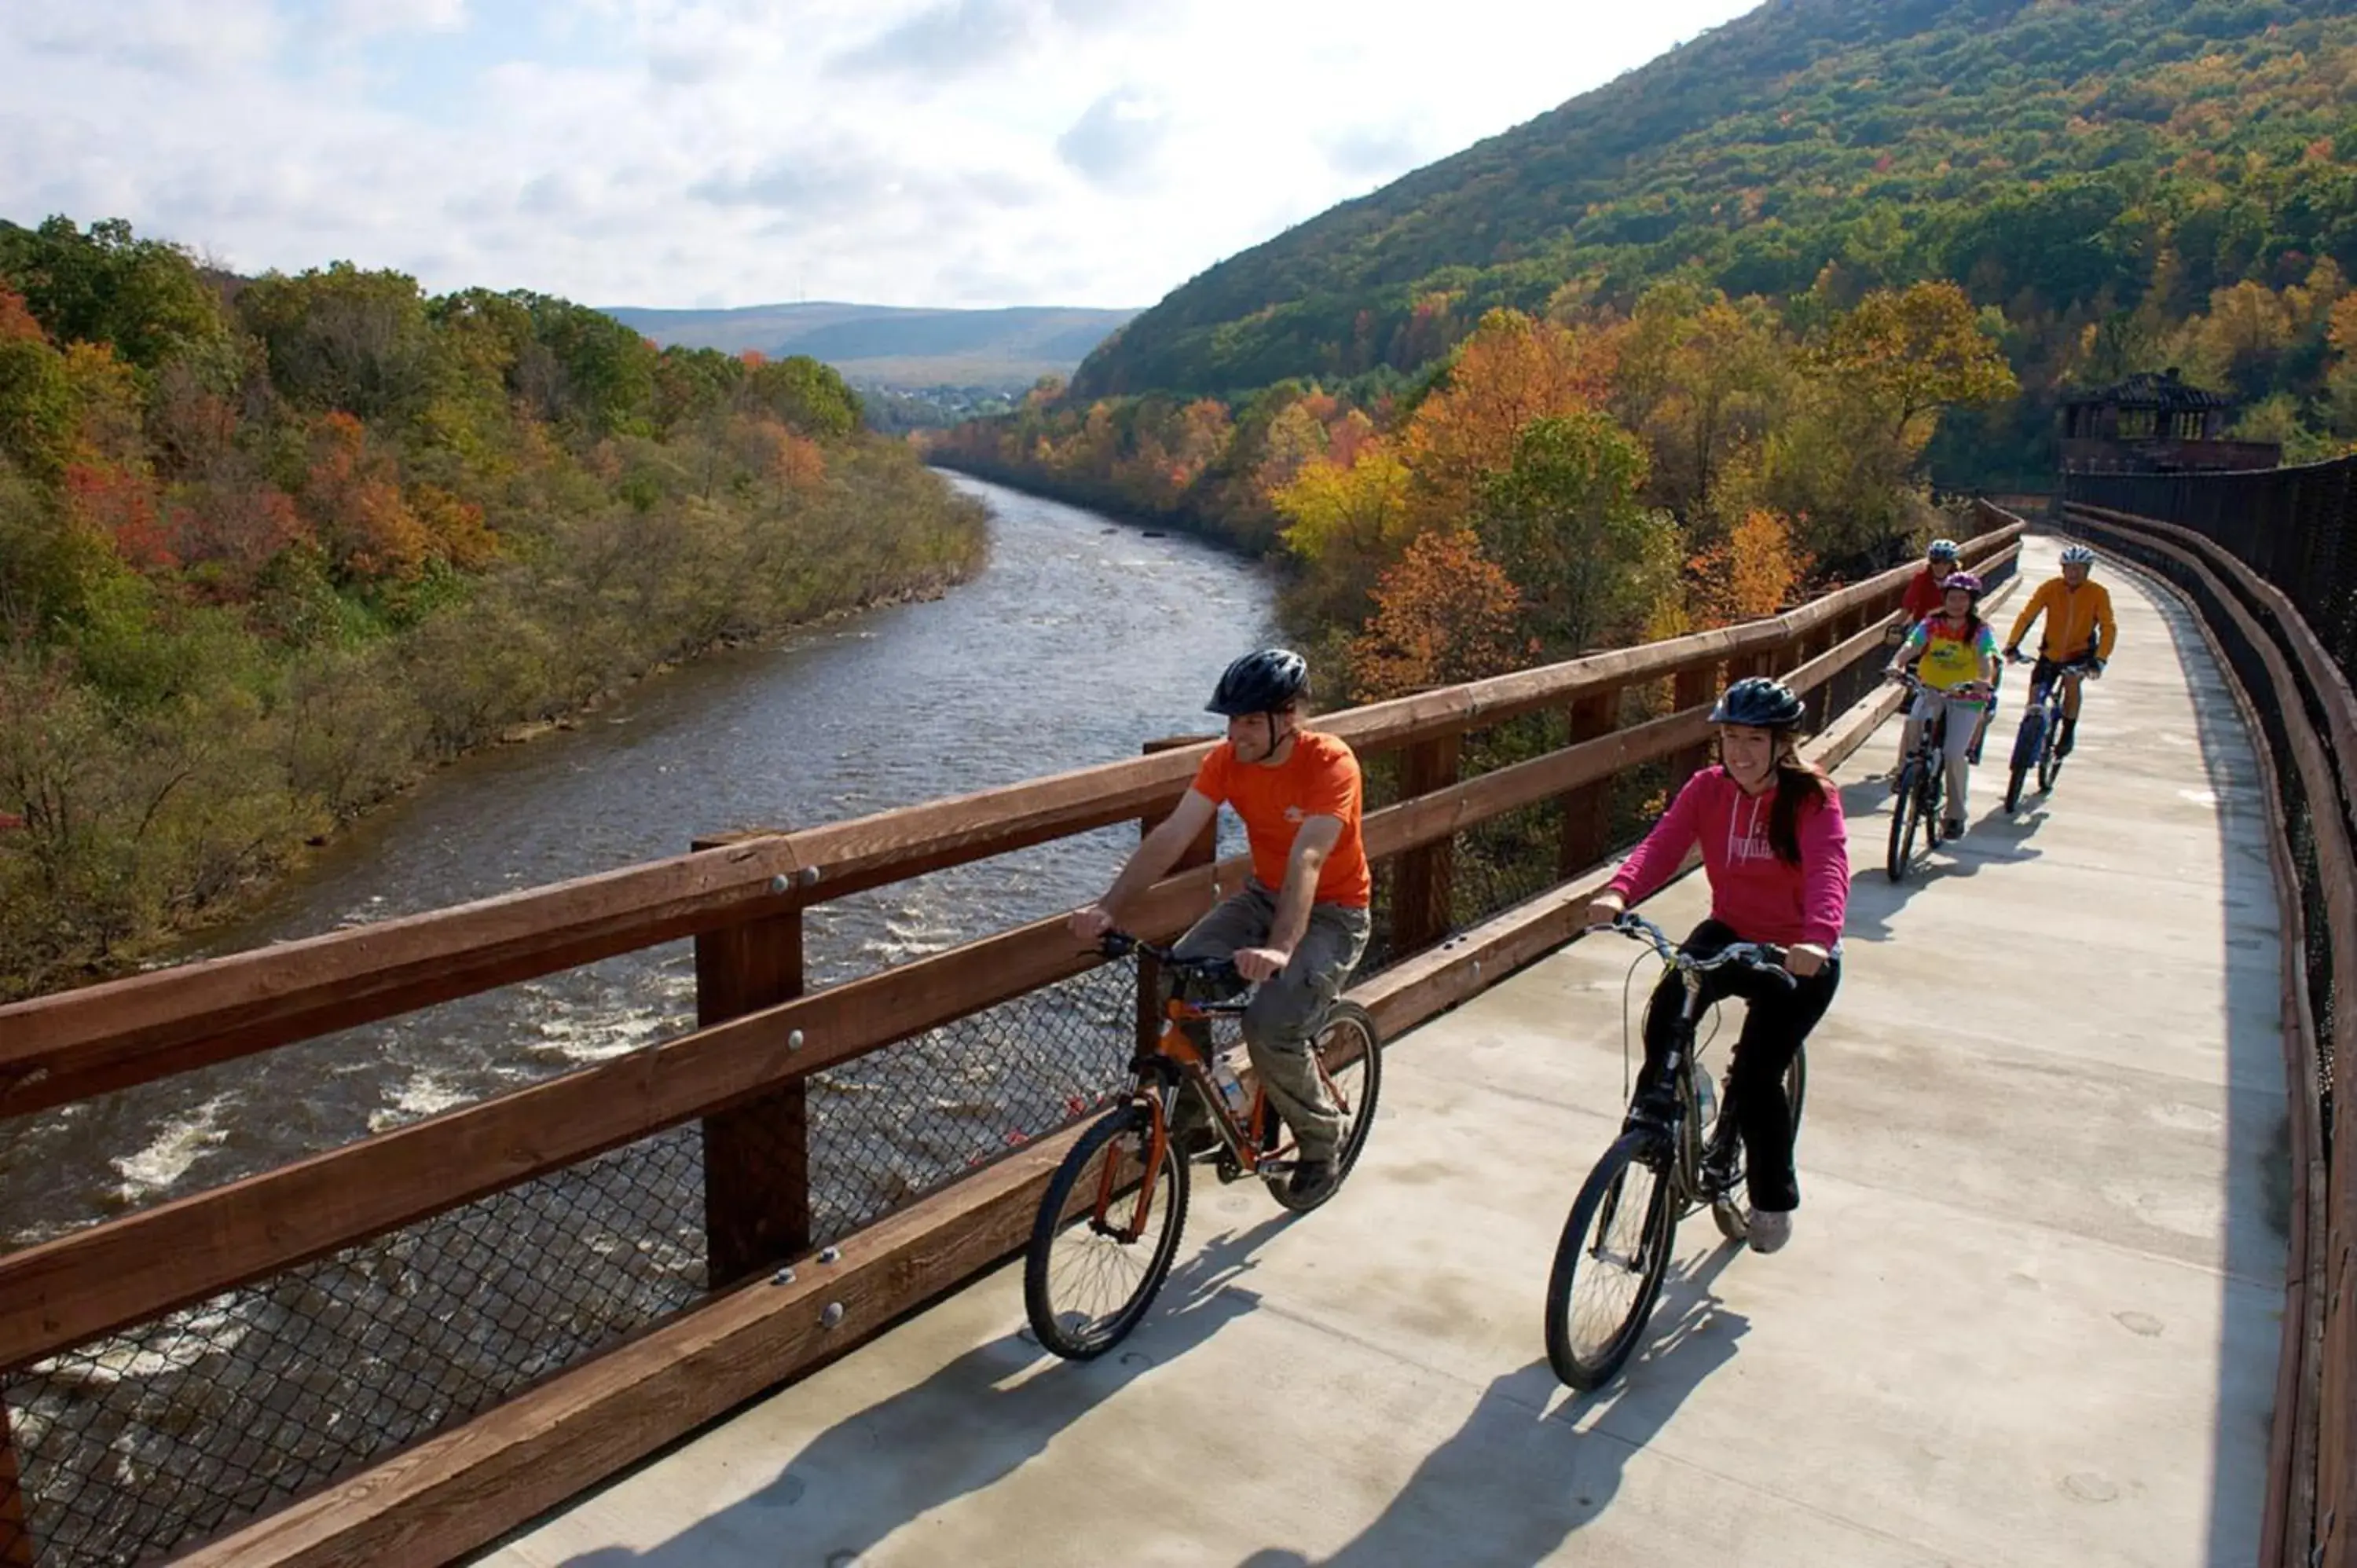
x: 1301, y: 921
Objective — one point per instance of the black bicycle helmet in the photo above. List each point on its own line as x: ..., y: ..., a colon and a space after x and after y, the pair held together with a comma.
x: 1266, y: 681
x: 1760, y: 702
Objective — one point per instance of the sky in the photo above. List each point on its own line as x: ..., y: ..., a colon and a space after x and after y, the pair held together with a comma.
x: 717, y: 152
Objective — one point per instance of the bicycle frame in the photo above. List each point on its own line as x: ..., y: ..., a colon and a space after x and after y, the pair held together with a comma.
x: 1173, y: 1063
x: 1677, y: 1115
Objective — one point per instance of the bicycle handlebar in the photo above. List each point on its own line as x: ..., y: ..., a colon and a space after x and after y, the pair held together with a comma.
x: 2084, y: 666
x: 1765, y: 957
x: 1121, y: 944
x: 1970, y: 691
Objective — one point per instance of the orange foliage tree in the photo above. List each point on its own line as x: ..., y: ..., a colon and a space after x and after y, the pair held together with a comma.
x: 353, y: 500
x: 1445, y: 613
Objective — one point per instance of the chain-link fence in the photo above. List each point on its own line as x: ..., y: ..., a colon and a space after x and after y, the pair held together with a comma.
x: 147, y: 1441
x: 2295, y: 527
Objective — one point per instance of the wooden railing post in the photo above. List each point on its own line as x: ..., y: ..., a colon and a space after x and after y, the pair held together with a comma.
x: 1691, y: 688
x: 1588, y: 810
x: 1423, y: 892
x: 757, y: 1208
x: 15, y: 1533
x: 1202, y: 851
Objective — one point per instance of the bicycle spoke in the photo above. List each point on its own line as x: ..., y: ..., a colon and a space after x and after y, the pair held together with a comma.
x: 1611, y: 1284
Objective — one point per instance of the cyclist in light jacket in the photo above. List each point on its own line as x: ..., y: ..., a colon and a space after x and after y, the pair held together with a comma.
x: 1776, y: 851
x: 2079, y: 625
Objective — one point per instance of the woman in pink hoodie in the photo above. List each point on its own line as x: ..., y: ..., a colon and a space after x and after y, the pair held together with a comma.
x: 1777, y: 854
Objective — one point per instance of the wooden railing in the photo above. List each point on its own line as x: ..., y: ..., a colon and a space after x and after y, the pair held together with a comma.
x: 2296, y: 697
x: 758, y: 1038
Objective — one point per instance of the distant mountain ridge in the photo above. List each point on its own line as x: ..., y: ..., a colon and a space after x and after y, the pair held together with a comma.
x: 2045, y: 153
x: 895, y: 346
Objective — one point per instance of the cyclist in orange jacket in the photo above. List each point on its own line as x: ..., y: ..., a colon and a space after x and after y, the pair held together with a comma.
x: 2078, y: 624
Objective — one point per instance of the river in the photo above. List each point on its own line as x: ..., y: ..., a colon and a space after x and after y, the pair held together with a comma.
x: 1080, y: 640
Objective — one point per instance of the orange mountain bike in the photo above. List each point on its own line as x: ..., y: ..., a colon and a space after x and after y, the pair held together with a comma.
x: 1108, y: 1228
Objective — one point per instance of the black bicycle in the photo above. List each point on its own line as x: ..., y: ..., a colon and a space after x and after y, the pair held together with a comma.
x: 1922, y: 785
x: 1678, y: 1151
x: 1107, y: 1229
x: 2042, y: 728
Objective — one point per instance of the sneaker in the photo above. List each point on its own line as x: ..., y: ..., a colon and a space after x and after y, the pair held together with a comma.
x: 1898, y: 781
x: 1767, y: 1228
x: 1953, y: 828
x: 1313, y: 1181
x: 2069, y: 733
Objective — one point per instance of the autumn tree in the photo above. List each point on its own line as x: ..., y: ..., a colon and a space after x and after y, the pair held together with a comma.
x: 1756, y: 571
x: 1512, y: 370
x: 1909, y: 353
x: 1344, y: 526
x: 1444, y: 613
x: 142, y: 299
x: 351, y: 497
x: 342, y: 338
x: 37, y: 403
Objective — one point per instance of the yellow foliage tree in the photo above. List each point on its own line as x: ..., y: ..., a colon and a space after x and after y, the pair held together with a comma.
x: 1345, y: 525
x: 1512, y: 370
x: 1756, y: 571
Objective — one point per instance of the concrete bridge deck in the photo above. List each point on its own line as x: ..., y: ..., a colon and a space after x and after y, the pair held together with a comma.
x: 2029, y: 1314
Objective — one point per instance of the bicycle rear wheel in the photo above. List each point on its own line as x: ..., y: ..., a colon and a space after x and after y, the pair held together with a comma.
x: 1902, y: 824
x: 2050, y: 766
x: 1351, y: 1065
x: 1610, y: 1263
x: 1087, y: 1280
x: 1725, y: 1150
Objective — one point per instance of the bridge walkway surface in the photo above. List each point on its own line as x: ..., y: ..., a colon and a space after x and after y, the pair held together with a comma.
x: 2029, y: 1314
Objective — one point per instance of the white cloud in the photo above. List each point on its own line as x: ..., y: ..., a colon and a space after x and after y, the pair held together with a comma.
x: 652, y: 152
x: 1114, y: 141
x: 366, y: 18
x: 180, y: 36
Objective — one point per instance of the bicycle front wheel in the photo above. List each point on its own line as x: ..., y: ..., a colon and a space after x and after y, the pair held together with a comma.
x: 1104, y: 1238
x: 1350, y: 1067
x: 2028, y: 750
x: 1902, y: 823
x: 1609, y: 1264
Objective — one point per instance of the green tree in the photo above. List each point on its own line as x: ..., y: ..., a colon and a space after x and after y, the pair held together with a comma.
x: 343, y: 340
x: 143, y: 298
x: 1566, y: 522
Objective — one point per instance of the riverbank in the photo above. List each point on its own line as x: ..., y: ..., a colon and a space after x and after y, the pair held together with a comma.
x: 1075, y: 642
x: 137, y: 838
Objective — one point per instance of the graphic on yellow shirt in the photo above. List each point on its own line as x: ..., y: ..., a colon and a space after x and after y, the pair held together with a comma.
x: 1950, y: 657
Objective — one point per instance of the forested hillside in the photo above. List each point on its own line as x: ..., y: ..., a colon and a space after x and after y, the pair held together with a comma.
x: 1726, y: 328
x: 269, y: 547
x: 2132, y: 183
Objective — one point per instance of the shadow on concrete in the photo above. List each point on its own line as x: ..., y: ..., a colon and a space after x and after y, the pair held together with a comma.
x: 2249, y: 1318
x: 965, y: 1428
x: 1518, y: 1477
x: 1874, y: 898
